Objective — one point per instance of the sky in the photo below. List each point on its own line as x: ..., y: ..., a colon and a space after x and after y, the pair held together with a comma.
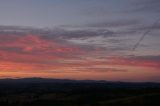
x: 80, y: 39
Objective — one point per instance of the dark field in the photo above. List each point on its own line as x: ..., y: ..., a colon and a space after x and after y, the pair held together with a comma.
x: 53, y: 92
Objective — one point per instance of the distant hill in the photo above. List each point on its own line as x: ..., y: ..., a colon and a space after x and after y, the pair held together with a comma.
x: 109, y: 84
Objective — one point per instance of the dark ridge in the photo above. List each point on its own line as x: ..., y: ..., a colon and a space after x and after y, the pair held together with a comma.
x: 108, y: 84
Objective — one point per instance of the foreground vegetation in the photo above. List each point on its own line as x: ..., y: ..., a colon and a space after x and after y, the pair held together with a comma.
x: 77, y: 94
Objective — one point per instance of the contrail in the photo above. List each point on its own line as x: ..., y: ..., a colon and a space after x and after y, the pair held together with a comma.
x: 144, y: 34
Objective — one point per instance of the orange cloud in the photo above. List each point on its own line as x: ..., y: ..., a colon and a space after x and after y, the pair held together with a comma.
x: 30, y: 53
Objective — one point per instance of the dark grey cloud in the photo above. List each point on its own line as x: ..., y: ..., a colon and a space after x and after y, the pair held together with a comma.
x: 146, y: 27
x: 147, y: 57
x: 114, y: 28
x: 87, y: 33
x: 100, y: 70
x: 145, y: 6
x: 108, y: 25
x: 115, y: 23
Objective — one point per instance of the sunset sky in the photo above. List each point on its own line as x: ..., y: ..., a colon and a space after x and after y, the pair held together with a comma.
x: 80, y: 39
